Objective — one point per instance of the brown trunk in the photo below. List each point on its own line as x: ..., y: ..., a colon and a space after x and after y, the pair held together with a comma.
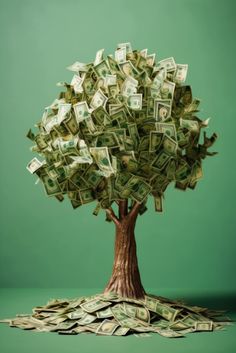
x: 125, y: 279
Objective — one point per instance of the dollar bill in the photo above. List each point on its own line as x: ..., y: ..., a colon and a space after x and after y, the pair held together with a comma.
x: 135, y: 101
x: 86, y: 195
x: 77, y: 314
x: 34, y: 165
x: 197, y: 172
x: 161, y: 160
x: 191, y: 125
x: 151, y: 59
x: 133, y: 131
x: 183, y: 171
x: 140, y: 191
x: 158, y: 203
x: 88, y: 86
x: 156, y: 139
x: 102, y: 158
x: 162, y: 110
x: 180, y: 73
x: 81, y: 110
x: 77, y: 83
x: 86, y: 319
x: 127, y: 45
x: 98, y: 57
x: 169, y: 145
x: 203, y: 326
x: 71, y: 124
x: 135, y: 311
x: 66, y: 146
x: 143, y: 52
x: 120, y: 55
x: 159, y: 79
x: 51, y: 186
x: 168, y: 63
x: 128, y: 68
x: 121, y: 331
x: 167, y: 90
x: 107, y: 139
x: 113, y: 90
x: 129, y: 86
x: 168, y: 128
x: 94, y: 305
x: 169, y: 333
x: 193, y: 106
x: 110, y: 80
x: 102, y: 69
x: 49, y: 125
x: 102, y: 314
x: 63, y: 110
x: 113, y: 65
x: 99, y: 99
x: 78, y: 66
x: 90, y: 125
x: 107, y: 327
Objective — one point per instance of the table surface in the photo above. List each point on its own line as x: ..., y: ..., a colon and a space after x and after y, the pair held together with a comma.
x: 18, y: 300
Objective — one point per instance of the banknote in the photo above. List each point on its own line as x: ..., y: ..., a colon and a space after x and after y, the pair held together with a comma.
x: 128, y: 68
x: 33, y: 165
x: 78, y: 66
x: 102, y: 159
x: 167, y: 90
x: 51, y: 186
x: 129, y: 86
x: 94, y: 305
x: 98, y: 57
x: 99, y: 99
x: 191, y: 125
x: 135, y: 101
x: 181, y: 73
x: 168, y: 63
x: 81, y: 110
x: 102, y: 69
x: 107, y: 327
x: 120, y: 55
x: 162, y: 109
x: 77, y: 83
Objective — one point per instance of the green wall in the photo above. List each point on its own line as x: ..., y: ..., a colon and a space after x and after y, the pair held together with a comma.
x: 45, y: 243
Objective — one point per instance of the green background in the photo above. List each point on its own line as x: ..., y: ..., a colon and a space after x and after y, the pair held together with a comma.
x: 187, y: 250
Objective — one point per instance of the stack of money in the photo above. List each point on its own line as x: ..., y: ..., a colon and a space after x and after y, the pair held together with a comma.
x: 125, y: 127
x: 110, y: 314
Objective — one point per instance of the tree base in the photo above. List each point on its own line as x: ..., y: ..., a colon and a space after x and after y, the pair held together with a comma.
x: 110, y: 314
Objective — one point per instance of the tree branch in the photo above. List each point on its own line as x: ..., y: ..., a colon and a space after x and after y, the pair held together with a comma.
x: 123, y: 208
x: 112, y: 215
x: 134, y: 210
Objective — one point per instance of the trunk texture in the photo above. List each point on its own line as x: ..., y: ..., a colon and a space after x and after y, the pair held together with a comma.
x: 125, y: 279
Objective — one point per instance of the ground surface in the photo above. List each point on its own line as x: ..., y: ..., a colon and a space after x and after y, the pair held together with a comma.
x: 16, y: 301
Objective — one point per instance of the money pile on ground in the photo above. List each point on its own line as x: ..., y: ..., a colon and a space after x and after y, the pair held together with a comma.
x: 124, y: 127
x: 110, y: 314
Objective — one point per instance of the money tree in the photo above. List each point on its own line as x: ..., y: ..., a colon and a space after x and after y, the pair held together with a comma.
x: 123, y: 129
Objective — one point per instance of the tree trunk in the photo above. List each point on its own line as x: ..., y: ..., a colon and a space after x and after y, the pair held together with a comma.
x: 125, y: 279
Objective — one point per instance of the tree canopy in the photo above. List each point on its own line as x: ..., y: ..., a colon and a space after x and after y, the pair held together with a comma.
x: 124, y: 128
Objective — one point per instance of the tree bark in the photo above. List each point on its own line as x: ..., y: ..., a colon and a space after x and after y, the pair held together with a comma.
x: 125, y: 279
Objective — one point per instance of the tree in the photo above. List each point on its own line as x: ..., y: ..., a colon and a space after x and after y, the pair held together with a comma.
x: 122, y: 130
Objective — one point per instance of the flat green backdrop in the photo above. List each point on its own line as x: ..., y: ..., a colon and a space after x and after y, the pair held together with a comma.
x: 45, y: 243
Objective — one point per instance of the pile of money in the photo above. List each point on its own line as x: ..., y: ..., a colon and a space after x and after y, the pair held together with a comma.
x: 125, y: 127
x: 110, y: 314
